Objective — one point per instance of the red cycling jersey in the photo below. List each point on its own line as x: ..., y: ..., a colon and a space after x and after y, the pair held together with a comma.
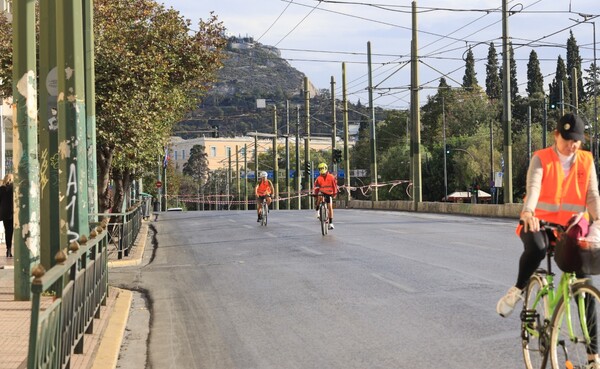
x: 326, y: 184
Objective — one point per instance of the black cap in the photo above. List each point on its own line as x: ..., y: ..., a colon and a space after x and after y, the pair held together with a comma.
x: 571, y: 127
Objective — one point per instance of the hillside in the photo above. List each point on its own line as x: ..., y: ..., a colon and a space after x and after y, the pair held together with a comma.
x: 254, y: 71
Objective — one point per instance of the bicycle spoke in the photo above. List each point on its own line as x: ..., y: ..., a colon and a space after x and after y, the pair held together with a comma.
x: 533, y: 323
x: 574, y: 328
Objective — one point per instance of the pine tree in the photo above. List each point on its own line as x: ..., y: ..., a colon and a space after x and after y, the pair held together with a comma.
x: 535, y: 79
x: 561, y: 75
x: 493, y: 83
x: 574, y: 61
x: 197, y: 164
x: 588, y: 86
x: 469, y: 80
x: 514, y: 87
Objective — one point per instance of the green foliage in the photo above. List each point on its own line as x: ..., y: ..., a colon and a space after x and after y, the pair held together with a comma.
x: 469, y: 79
x: 197, y: 165
x: 493, y: 83
x: 535, y: 79
x: 574, y: 61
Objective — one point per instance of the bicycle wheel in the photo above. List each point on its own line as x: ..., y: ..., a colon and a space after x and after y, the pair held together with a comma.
x: 570, y: 347
x: 265, y: 214
x: 324, y: 218
x: 534, y: 322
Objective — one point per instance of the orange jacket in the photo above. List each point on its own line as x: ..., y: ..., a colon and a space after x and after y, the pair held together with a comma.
x: 560, y: 197
x: 327, y: 185
x: 264, y: 188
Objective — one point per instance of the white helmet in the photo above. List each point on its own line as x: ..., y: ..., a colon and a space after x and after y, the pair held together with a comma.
x: 263, y: 174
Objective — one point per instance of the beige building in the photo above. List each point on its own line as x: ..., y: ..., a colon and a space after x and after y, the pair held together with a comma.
x: 218, y: 150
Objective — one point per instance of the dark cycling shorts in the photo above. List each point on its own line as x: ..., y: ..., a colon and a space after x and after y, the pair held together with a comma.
x: 326, y: 197
x: 260, y: 199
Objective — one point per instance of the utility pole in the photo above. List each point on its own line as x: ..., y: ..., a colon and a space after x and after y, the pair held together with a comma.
x: 298, y: 171
x: 333, y: 122
x: 415, y: 111
x: 574, y: 93
x: 238, y: 190
x: 307, y: 137
x: 275, y: 161
x: 506, y: 107
x: 545, y: 123
x: 346, y: 147
x: 287, y: 154
x: 372, y: 138
x: 245, y: 177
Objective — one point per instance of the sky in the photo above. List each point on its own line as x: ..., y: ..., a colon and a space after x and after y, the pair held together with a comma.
x: 316, y: 37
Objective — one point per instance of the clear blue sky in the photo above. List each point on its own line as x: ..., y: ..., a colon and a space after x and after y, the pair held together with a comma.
x: 316, y: 37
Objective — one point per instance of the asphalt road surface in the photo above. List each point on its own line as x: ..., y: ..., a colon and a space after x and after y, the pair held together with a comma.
x: 382, y: 290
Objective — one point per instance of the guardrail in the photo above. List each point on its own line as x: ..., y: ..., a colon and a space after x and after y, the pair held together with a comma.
x: 66, y: 299
x: 123, y: 228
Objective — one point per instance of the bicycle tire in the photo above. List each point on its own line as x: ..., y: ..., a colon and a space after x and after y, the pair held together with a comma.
x: 324, y: 218
x: 265, y: 214
x: 534, y: 323
x: 574, y: 349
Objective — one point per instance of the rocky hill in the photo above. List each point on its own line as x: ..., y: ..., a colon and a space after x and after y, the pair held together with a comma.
x: 253, y: 71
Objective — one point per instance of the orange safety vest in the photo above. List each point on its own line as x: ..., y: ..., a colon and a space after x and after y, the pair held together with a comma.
x: 560, y: 197
x: 264, y: 188
x: 327, y: 184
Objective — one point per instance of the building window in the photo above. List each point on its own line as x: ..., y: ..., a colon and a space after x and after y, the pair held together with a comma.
x: 175, y: 152
x: 243, y: 151
x: 182, y: 154
x: 228, y: 151
x: 213, y: 151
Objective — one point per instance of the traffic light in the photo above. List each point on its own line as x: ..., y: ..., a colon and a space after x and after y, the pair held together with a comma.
x: 448, y: 149
x: 337, y: 156
x: 307, y: 168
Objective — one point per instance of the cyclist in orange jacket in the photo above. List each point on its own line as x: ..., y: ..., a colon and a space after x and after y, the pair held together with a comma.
x: 326, y: 183
x: 263, y: 190
x: 561, y: 182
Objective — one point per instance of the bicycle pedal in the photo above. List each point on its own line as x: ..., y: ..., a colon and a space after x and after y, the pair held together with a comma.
x: 529, y: 316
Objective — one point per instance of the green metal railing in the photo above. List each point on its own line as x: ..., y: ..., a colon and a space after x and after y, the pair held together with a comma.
x: 124, y: 227
x: 66, y: 299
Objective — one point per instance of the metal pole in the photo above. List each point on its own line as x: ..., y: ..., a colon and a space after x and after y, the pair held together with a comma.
x: 545, y: 123
x: 245, y: 176
x: 445, y: 148
x: 346, y: 146
x: 238, y: 189
x: 528, y: 134
x: 574, y: 93
x: 415, y: 111
x: 373, y: 142
x: 275, y: 161
x: 506, y: 107
x: 307, y: 137
x: 90, y: 106
x: 595, y: 100
x: 333, y: 121
x: 26, y: 245
x: 287, y: 155
x: 492, y: 180
x: 562, y: 98
x: 298, y: 171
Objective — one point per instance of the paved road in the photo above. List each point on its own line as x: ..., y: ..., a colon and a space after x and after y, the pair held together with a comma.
x: 382, y: 290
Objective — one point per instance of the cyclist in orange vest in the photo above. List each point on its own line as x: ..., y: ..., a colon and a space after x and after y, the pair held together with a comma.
x: 561, y: 182
x: 263, y: 190
x: 326, y: 184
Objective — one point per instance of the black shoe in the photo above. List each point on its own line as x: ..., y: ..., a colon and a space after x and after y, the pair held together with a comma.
x: 258, y: 220
x: 9, y: 253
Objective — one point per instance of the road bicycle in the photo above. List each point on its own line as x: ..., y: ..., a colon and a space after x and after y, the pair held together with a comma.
x: 265, y: 212
x: 557, y: 323
x: 323, y: 214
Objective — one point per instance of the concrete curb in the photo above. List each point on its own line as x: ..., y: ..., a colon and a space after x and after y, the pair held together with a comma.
x: 136, y: 258
x: 107, y: 355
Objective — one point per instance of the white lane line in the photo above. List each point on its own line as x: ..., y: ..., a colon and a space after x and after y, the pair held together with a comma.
x: 394, y: 231
x: 395, y: 284
x: 312, y: 251
x: 472, y: 245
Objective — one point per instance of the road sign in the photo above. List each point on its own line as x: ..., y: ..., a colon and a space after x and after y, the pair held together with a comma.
x: 158, y: 184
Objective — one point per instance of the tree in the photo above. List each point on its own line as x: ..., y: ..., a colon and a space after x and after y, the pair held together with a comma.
x: 469, y: 79
x: 493, y: 83
x: 535, y: 79
x: 514, y: 83
x: 590, y: 81
x: 559, y: 77
x: 197, y: 165
x: 574, y: 61
x: 150, y: 70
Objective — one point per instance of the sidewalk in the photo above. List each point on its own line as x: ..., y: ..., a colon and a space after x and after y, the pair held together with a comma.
x: 101, y: 349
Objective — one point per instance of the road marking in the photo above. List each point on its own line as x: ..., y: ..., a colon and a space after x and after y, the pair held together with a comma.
x: 394, y: 231
x: 270, y: 235
x: 311, y: 251
x: 472, y: 245
x: 395, y: 284
x: 247, y: 226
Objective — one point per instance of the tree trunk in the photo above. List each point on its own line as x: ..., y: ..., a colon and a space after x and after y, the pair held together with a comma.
x: 105, y: 157
x: 122, y: 185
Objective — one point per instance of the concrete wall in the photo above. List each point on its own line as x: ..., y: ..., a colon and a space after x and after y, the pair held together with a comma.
x: 480, y: 210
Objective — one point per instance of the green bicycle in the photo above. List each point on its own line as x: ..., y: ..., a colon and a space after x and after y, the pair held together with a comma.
x: 558, y: 324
